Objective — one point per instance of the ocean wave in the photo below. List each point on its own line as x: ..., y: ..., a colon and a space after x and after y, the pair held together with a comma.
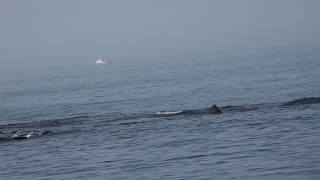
x: 168, y: 112
x: 20, y: 131
x: 307, y: 100
x: 17, y: 135
x: 240, y: 108
x: 45, y: 123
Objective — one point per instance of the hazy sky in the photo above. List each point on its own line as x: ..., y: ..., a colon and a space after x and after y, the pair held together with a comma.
x: 68, y: 31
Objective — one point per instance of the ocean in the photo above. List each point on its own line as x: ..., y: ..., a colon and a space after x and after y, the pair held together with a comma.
x: 148, y: 119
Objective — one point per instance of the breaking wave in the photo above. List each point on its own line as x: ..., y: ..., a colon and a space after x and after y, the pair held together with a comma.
x: 168, y: 112
x: 17, y: 135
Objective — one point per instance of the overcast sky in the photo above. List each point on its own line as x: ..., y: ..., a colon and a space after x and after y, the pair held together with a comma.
x: 70, y: 31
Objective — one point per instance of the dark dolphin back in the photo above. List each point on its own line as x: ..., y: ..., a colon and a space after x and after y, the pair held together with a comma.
x: 308, y: 100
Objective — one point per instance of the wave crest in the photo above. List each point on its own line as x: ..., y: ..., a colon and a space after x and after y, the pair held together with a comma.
x: 168, y: 112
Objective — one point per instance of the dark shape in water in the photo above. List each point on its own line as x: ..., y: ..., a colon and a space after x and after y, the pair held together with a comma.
x: 239, y: 108
x: 308, y: 100
x: 214, y: 110
x: 19, y: 137
x: 16, y: 135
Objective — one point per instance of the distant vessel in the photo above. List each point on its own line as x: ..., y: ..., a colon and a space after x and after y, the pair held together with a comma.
x: 100, y: 60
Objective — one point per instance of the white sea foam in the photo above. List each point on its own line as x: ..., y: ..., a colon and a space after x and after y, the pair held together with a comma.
x: 168, y: 112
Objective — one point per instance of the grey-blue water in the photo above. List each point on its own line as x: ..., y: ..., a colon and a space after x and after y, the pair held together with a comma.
x: 103, y: 121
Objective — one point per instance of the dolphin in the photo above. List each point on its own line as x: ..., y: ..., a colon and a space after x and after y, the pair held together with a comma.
x: 214, y: 110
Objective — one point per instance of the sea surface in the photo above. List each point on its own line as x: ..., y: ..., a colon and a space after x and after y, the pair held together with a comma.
x: 147, y: 118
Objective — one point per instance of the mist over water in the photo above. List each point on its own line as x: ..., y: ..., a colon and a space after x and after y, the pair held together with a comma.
x: 38, y: 33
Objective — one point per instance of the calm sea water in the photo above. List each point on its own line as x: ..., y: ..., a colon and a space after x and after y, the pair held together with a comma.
x: 102, y: 120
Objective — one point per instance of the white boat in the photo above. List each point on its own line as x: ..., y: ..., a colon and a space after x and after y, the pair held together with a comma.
x: 100, y: 60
